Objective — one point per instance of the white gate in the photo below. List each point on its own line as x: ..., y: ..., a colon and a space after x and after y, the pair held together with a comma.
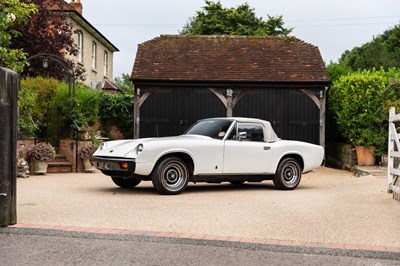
x: 394, y: 154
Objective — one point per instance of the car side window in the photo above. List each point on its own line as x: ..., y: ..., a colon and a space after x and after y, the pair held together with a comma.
x: 253, y: 132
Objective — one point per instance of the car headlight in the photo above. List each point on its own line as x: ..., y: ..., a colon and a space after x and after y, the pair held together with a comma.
x: 139, y: 149
x: 103, y: 145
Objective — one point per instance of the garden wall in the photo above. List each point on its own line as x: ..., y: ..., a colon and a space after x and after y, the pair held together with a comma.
x: 66, y: 148
x: 340, y: 155
x: 25, y: 145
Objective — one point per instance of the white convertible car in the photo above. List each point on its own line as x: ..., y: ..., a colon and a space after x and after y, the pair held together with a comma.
x: 213, y: 150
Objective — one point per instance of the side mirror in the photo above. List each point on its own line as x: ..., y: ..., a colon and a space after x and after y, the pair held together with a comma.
x: 242, y: 136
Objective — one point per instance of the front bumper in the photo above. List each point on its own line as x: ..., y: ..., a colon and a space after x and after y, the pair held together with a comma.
x: 114, y: 164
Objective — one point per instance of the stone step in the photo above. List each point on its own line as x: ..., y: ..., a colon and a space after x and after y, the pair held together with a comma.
x: 59, y: 158
x: 59, y: 165
x: 369, y: 170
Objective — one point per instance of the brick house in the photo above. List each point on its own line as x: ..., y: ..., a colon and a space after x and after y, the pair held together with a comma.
x: 95, y: 50
x: 179, y: 79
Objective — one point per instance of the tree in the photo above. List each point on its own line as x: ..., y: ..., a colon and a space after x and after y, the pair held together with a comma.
x: 217, y: 20
x: 47, y: 32
x: 12, y: 13
x: 124, y: 83
x: 336, y: 70
x: 382, y: 51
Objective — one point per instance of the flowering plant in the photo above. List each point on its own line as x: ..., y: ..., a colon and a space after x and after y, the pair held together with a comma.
x: 86, y: 151
x: 42, y: 151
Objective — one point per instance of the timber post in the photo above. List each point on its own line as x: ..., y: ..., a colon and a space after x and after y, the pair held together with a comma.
x: 9, y: 84
x: 136, y: 113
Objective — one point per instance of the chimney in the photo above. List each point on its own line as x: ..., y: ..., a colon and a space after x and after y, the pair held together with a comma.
x: 76, y: 4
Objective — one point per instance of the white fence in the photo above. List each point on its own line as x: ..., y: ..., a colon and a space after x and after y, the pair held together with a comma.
x: 394, y: 154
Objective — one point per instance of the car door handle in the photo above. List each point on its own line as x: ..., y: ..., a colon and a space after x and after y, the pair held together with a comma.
x: 266, y: 148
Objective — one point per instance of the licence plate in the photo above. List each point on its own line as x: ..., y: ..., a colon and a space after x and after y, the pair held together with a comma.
x: 104, y: 165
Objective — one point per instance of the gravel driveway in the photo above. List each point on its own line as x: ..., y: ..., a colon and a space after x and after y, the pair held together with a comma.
x: 329, y: 206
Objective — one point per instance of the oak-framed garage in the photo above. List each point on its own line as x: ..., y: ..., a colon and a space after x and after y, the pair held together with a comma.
x: 180, y: 79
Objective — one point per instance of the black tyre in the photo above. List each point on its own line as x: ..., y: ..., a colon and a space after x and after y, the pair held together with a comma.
x: 126, y: 182
x: 170, y: 176
x: 237, y: 182
x: 288, y: 175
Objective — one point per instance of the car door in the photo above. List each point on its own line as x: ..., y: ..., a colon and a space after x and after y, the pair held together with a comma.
x: 245, y: 151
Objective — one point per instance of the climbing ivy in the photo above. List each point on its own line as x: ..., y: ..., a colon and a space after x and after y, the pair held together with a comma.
x: 117, y: 110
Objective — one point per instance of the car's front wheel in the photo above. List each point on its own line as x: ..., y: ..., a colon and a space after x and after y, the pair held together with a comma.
x: 288, y: 175
x: 126, y: 182
x: 170, y: 176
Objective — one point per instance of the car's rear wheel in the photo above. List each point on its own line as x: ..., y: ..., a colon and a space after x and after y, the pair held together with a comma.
x: 288, y: 175
x: 170, y: 176
x: 126, y: 182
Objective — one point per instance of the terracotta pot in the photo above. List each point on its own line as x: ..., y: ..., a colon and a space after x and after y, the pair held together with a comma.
x: 40, y: 166
x: 365, y: 155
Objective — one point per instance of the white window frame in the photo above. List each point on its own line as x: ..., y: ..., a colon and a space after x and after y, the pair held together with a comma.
x: 94, y: 55
x: 105, y: 63
x: 80, y: 46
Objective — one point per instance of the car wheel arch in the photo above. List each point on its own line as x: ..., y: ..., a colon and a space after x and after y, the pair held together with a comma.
x: 182, y: 155
x: 297, y: 157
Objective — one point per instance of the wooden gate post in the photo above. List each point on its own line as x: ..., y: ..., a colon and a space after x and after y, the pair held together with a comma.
x: 229, y: 102
x: 9, y: 84
x: 136, y: 113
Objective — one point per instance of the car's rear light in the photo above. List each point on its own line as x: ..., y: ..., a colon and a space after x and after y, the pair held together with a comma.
x: 124, y: 165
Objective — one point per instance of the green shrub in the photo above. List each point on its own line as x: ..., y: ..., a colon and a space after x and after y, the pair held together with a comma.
x: 359, y: 102
x: 28, y: 113
x: 117, y: 110
x: 83, y: 109
x: 44, y: 88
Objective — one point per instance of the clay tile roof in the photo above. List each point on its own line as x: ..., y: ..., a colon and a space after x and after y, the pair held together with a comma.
x: 228, y: 58
x: 58, y: 5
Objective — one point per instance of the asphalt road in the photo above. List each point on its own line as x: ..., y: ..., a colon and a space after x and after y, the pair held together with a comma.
x: 329, y: 206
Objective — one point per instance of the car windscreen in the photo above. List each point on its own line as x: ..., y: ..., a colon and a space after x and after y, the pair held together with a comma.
x: 215, y: 129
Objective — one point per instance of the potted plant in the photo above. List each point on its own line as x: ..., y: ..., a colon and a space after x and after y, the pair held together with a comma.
x: 369, y: 142
x: 40, y: 154
x: 85, y: 153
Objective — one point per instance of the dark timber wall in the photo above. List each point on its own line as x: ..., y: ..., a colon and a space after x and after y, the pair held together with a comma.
x: 170, y: 111
x: 291, y: 112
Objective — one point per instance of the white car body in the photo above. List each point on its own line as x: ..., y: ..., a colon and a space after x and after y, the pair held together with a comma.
x: 226, y: 157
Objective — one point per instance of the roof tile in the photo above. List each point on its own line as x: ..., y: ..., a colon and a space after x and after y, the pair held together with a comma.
x: 228, y: 58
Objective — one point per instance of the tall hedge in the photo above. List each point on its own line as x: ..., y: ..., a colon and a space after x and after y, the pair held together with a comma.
x: 35, y: 95
x: 359, y: 102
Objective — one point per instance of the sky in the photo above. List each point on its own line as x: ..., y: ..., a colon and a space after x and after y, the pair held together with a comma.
x: 333, y: 25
